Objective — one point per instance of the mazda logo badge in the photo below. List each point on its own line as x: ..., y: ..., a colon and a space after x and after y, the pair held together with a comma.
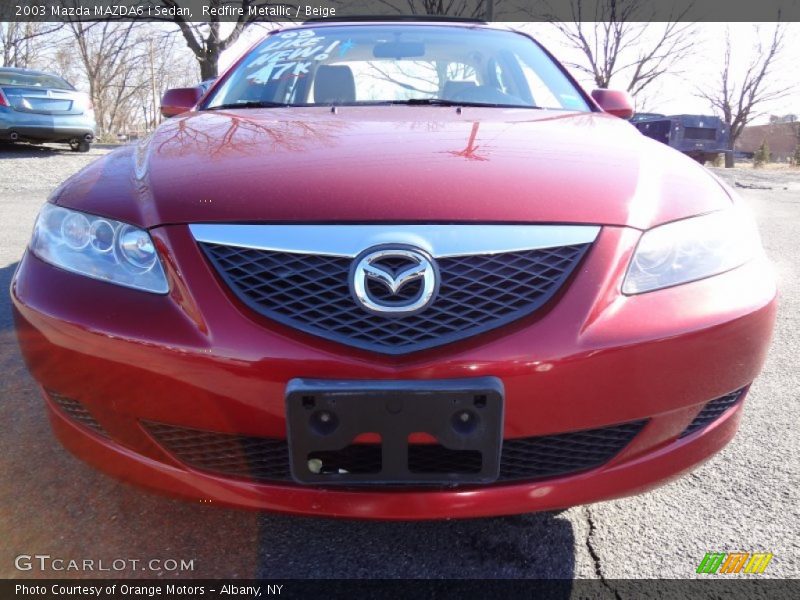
x: 380, y: 275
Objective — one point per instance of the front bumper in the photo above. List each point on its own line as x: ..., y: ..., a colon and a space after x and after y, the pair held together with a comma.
x: 198, y: 359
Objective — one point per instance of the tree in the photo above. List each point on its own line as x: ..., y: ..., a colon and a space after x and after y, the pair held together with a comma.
x: 164, y: 66
x: 739, y: 101
x: 762, y: 155
x: 126, y: 67
x: 790, y: 118
x: 23, y: 43
x: 620, y: 42
x: 205, y: 39
x: 112, y: 60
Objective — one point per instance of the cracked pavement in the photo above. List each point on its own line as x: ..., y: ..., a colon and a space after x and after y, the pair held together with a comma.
x: 744, y: 499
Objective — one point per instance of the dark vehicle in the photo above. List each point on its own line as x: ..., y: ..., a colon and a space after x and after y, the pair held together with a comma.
x: 645, y: 116
x: 40, y: 107
x: 700, y: 136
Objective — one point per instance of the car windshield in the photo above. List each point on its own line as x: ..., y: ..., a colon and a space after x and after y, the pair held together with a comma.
x: 397, y: 64
x: 34, y: 80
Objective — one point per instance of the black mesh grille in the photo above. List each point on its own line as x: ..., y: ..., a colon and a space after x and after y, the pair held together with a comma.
x: 521, y: 459
x: 77, y: 412
x: 312, y: 293
x: 712, y: 411
x: 255, y: 457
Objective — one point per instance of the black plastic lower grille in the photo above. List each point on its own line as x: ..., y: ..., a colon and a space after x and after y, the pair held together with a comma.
x: 235, y: 455
x: 713, y: 411
x: 312, y: 293
x: 77, y: 412
x: 267, y: 459
x: 552, y: 455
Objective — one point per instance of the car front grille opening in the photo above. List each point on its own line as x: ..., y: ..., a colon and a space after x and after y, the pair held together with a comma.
x: 564, y: 453
x: 522, y: 459
x: 434, y: 458
x: 356, y: 459
x: 78, y: 413
x: 713, y: 411
x: 233, y: 455
x: 311, y: 293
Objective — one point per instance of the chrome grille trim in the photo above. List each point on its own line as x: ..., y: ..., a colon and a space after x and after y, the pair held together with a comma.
x: 440, y: 241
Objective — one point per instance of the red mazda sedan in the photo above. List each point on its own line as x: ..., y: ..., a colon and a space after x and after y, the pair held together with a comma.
x: 397, y: 271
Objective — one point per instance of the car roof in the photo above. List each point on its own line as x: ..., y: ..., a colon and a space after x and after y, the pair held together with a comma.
x: 394, y: 19
x: 415, y: 20
x: 27, y: 71
x: 412, y: 20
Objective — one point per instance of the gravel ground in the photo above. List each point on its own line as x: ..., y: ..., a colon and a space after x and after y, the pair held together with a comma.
x: 744, y: 499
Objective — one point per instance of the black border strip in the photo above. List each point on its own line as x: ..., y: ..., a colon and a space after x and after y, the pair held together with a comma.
x: 457, y: 10
x: 732, y: 586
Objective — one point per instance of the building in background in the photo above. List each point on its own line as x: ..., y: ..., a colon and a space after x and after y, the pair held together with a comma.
x: 782, y: 136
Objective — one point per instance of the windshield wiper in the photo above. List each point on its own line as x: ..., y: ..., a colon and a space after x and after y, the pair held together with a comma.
x: 250, y: 104
x: 443, y: 102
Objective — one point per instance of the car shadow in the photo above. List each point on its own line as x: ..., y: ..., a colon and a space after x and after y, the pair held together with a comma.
x: 56, y: 503
x: 22, y: 150
x: 532, y: 546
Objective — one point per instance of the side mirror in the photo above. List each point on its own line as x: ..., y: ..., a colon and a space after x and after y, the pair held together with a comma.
x: 614, y: 102
x: 179, y: 100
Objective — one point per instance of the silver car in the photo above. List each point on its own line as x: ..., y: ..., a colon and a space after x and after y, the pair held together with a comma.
x: 40, y: 107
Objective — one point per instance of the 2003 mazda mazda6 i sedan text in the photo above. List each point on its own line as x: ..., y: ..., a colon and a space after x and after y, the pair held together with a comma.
x: 395, y: 270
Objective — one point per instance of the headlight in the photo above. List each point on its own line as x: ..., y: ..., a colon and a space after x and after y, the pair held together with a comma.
x: 692, y: 249
x: 99, y: 248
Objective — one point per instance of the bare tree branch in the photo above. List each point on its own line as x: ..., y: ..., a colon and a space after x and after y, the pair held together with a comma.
x: 23, y: 42
x: 204, y: 39
x: 617, y: 40
x: 740, y: 101
x: 110, y: 56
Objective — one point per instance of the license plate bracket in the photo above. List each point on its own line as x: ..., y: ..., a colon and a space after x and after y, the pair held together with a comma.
x: 324, y: 417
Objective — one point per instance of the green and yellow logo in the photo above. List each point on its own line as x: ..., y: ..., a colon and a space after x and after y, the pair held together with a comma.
x: 734, y: 562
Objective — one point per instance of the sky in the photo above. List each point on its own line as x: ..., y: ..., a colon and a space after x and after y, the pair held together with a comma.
x: 674, y: 93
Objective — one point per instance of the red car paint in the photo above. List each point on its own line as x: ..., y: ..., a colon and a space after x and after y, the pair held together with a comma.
x: 297, y: 164
x: 200, y: 359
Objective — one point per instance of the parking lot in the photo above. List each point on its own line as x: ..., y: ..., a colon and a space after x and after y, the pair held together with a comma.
x: 744, y: 499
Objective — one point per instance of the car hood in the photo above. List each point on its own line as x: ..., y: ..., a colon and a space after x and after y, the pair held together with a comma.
x: 395, y: 164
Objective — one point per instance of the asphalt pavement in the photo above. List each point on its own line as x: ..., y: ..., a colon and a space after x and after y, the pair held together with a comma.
x: 743, y: 499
